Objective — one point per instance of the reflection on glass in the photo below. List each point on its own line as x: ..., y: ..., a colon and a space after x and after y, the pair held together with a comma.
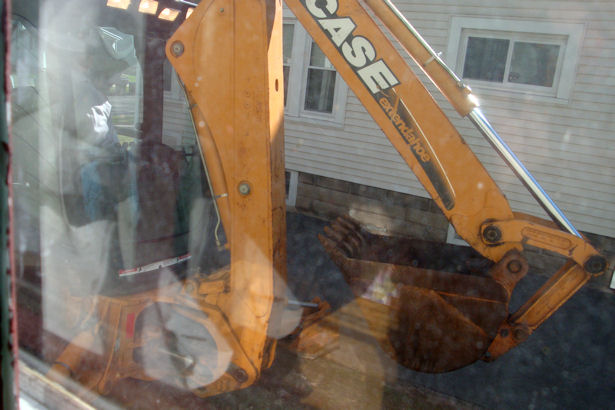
x: 287, y: 49
x: 318, y: 58
x: 288, y: 36
x: 486, y: 59
x: 168, y: 14
x: 148, y: 6
x: 111, y: 224
x: 123, y: 292
x: 120, y: 4
x: 320, y: 88
x: 534, y: 64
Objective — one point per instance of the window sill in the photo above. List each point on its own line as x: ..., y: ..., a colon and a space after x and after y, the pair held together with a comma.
x: 322, y: 122
x: 487, y: 91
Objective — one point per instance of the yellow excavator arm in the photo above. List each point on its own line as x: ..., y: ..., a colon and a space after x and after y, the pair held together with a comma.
x: 422, y: 134
x: 447, y: 168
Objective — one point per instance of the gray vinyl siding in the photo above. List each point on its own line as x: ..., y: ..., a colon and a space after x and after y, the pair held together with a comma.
x: 177, y: 127
x: 568, y: 146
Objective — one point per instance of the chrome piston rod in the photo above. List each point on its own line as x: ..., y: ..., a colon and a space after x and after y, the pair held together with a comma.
x: 480, y: 121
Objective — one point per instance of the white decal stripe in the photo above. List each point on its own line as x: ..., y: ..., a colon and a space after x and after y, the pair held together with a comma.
x: 155, y: 265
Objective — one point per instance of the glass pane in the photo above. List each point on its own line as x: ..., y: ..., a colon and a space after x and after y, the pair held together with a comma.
x: 122, y: 93
x: 318, y: 59
x: 108, y: 205
x: 534, y: 63
x: 288, y: 34
x: 26, y: 178
x: 125, y: 293
x: 124, y: 83
x: 286, y: 76
x: 24, y: 55
x: 485, y: 59
x: 320, y: 90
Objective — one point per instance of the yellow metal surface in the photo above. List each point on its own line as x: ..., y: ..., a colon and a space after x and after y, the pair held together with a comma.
x: 229, y: 57
x: 409, y: 117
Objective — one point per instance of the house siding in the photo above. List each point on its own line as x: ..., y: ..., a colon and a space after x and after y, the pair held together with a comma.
x: 566, y: 145
x: 177, y: 125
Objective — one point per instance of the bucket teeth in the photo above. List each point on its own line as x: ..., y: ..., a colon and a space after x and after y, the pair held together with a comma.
x: 344, y: 241
x: 343, y: 236
x: 351, y: 232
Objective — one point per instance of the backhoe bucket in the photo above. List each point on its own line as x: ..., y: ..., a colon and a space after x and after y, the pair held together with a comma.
x: 438, y: 320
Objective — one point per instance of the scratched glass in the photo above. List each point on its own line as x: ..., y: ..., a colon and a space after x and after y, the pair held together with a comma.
x: 135, y: 157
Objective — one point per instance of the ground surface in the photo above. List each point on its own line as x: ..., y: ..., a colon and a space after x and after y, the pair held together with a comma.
x: 567, y: 363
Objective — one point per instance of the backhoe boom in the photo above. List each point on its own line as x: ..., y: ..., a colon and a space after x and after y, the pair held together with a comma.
x: 444, y: 164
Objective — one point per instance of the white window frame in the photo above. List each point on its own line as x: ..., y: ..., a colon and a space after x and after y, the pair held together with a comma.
x: 513, y: 38
x: 568, y: 35
x: 291, y: 191
x: 297, y: 81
